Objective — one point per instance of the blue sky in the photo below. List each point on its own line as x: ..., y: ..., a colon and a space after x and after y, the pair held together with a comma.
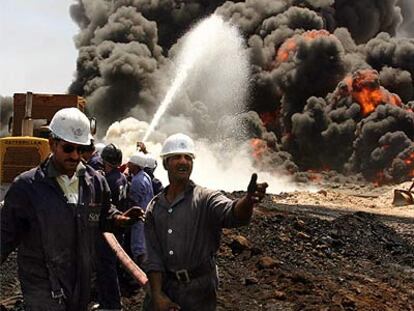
x: 37, y: 52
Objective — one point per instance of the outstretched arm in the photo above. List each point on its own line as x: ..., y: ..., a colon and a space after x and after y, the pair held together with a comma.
x: 255, y: 192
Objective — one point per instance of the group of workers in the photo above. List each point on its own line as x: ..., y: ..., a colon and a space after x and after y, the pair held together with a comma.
x: 55, y: 215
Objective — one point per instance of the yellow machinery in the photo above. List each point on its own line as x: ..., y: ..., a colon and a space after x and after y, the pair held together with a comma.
x: 19, y: 154
x: 26, y: 148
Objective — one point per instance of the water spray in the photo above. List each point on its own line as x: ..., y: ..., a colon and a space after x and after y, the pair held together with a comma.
x: 206, y: 41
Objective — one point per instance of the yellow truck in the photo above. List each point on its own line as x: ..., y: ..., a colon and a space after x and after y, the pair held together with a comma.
x: 28, y: 145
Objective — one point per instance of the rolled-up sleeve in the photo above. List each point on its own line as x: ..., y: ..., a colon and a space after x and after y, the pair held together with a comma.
x: 154, y: 261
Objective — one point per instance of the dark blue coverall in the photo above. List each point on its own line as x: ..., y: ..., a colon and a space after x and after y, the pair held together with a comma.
x: 53, y: 237
x: 109, y: 297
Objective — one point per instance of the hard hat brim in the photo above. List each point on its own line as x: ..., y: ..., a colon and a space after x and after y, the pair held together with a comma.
x: 170, y: 154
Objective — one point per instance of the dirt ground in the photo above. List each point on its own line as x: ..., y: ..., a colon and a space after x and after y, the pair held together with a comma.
x: 334, y: 249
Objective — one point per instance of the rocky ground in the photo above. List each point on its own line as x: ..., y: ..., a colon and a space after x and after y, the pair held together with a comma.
x: 328, y: 250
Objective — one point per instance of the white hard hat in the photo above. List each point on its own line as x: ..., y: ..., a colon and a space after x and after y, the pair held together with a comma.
x: 71, y: 125
x: 99, y: 147
x: 177, y: 144
x: 139, y: 158
x: 151, y: 161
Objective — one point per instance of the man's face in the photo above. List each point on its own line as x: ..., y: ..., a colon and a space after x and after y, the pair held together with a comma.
x: 179, y: 167
x: 86, y: 155
x: 133, y: 168
x: 66, y: 156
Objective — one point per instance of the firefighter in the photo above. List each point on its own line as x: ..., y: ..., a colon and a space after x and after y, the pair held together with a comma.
x: 183, y: 226
x: 92, y: 156
x: 140, y: 193
x: 149, y: 169
x: 47, y: 214
x: 99, y: 148
x: 112, y: 159
x: 109, y: 297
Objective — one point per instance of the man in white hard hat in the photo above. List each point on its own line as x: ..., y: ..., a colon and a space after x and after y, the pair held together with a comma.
x: 108, y: 290
x: 140, y: 193
x: 149, y: 169
x: 48, y: 213
x: 182, y: 229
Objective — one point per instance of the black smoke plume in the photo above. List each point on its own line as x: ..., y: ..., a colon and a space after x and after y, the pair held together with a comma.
x: 332, y: 80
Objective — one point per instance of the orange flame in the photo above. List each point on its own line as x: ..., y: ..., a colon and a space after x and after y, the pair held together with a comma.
x: 314, y: 175
x: 379, y: 179
x: 365, y: 89
x: 269, y: 117
x: 259, y: 147
x: 289, y: 47
x: 409, y: 161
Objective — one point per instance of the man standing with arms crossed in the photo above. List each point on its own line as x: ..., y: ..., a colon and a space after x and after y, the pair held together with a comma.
x: 183, y: 228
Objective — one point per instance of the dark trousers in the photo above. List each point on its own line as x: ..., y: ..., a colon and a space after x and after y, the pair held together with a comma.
x: 37, y: 297
x: 198, y: 295
x: 107, y: 284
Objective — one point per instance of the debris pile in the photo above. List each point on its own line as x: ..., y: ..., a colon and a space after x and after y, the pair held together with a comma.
x: 292, y: 259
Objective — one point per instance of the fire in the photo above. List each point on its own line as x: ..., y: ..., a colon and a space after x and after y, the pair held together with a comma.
x: 289, y: 47
x: 269, y: 117
x: 409, y: 161
x: 379, y: 179
x: 365, y: 89
x: 314, y: 175
x: 259, y: 147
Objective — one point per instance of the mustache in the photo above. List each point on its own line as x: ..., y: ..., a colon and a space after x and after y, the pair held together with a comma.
x: 72, y: 161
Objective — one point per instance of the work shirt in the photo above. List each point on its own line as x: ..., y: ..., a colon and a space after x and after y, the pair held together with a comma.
x: 69, y: 185
x: 187, y: 232
x: 157, y: 185
x: 140, y: 194
x: 118, y: 184
x: 96, y: 162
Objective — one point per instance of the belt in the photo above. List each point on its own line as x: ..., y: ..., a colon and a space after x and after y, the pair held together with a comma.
x: 185, y: 275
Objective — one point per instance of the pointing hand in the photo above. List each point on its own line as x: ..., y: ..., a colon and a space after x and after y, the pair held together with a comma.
x: 256, y: 191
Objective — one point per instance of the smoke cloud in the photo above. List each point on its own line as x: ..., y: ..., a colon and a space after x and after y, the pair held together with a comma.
x: 6, y: 111
x: 331, y: 81
x: 406, y: 28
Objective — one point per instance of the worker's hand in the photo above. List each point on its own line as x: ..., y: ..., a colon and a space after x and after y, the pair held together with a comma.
x: 255, y: 191
x: 163, y: 303
x: 128, y: 218
x: 137, y: 213
x: 123, y: 221
x: 141, y: 147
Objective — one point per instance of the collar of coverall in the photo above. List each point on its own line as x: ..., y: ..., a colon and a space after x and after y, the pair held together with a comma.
x: 52, y: 172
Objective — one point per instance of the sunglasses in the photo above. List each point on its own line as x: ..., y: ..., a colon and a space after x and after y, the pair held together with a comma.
x: 70, y: 148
